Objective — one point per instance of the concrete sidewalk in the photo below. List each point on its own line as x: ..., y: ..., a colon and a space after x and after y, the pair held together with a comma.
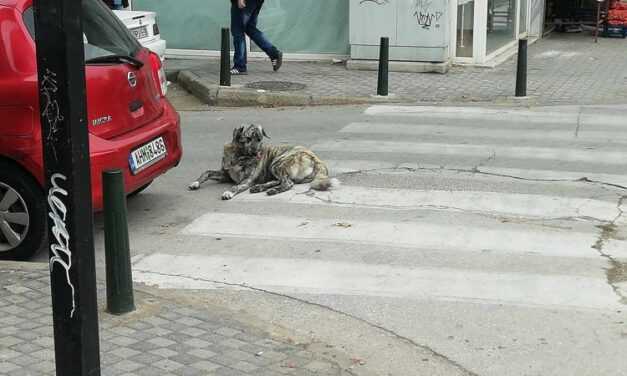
x: 167, y: 335
x: 563, y: 69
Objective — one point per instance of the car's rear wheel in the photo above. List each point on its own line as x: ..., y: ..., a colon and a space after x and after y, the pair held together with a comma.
x: 22, y: 214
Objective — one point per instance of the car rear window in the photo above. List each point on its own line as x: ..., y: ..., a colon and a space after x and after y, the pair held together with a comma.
x: 103, y: 33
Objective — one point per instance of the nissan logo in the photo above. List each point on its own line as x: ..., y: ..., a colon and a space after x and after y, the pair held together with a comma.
x: 132, y: 79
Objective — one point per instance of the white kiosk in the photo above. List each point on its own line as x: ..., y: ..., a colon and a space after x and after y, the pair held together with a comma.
x: 419, y: 32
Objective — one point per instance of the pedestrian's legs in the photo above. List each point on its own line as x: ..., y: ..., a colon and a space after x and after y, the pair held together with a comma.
x: 239, y: 41
x: 256, y: 35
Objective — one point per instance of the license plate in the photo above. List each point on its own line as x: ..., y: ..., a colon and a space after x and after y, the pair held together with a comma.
x: 140, y: 32
x: 147, y: 155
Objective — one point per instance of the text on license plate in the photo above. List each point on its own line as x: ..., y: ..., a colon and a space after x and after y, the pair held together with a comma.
x: 147, y: 155
x: 140, y: 32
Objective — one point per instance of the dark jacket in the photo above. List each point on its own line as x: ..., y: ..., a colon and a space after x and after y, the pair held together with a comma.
x: 110, y: 3
x: 259, y: 1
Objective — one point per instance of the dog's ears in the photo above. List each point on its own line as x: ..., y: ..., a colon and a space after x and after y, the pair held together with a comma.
x: 237, y: 131
x: 263, y: 131
x: 260, y: 132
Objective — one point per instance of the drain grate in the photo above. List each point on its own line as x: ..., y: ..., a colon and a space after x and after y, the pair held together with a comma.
x: 276, y: 86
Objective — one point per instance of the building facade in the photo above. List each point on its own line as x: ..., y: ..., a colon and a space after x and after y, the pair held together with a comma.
x: 459, y: 31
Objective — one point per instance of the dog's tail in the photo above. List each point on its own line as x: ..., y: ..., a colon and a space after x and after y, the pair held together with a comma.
x: 324, y: 183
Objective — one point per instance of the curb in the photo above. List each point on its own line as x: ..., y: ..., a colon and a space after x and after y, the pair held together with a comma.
x: 400, y: 66
x: 238, y: 96
x: 22, y: 265
x: 172, y: 75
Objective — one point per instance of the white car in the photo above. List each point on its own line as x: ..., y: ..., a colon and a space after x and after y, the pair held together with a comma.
x: 143, y: 25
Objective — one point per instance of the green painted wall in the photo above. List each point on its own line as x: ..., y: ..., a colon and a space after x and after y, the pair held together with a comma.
x: 189, y: 24
x: 307, y: 26
x: 296, y: 26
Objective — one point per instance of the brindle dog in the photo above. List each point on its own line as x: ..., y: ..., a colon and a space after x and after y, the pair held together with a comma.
x: 278, y: 168
x: 236, y: 165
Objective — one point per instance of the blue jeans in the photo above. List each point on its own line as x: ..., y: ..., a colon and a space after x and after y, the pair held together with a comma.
x: 244, y: 22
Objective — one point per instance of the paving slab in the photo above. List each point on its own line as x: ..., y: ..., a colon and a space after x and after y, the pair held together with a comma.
x: 164, y: 336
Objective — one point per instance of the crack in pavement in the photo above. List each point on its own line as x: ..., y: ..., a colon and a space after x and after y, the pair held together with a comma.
x: 617, y: 271
x: 476, y: 170
x: 169, y: 299
x: 400, y: 337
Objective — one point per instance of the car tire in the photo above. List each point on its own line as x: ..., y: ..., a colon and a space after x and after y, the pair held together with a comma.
x: 22, y: 214
x: 139, y: 190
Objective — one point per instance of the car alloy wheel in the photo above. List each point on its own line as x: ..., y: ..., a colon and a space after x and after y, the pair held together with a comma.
x: 14, y: 218
x: 22, y: 213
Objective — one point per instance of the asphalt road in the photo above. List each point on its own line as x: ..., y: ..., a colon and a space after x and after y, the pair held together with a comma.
x: 462, y: 240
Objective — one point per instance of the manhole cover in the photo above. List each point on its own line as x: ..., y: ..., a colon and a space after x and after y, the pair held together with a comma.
x: 276, y: 86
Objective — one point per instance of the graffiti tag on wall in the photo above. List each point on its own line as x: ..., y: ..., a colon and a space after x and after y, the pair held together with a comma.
x: 426, y: 16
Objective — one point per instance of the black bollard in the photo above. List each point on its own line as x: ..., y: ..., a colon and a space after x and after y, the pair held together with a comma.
x: 384, y: 57
x: 225, y: 58
x: 598, y: 22
x: 521, y: 69
x: 117, y: 249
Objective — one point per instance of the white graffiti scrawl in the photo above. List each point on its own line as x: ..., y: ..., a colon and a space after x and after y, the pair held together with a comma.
x: 62, y: 255
x: 51, y: 112
x: 425, y: 15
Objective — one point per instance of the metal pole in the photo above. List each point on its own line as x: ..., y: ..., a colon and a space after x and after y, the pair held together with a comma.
x: 117, y: 249
x: 521, y: 69
x: 225, y: 58
x: 596, y: 27
x: 384, y: 57
x: 63, y: 114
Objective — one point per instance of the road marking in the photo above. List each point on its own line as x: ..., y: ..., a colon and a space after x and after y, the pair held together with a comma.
x: 509, y: 133
x: 339, y: 167
x: 492, y: 203
x: 566, y: 116
x: 503, y: 239
x: 483, y: 151
x: 306, y: 276
x: 556, y: 175
x: 474, y: 113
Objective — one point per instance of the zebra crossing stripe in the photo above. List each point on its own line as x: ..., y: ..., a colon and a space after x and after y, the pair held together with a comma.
x: 338, y: 167
x: 504, y: 239
x: 571, y: 116
x: 484, y: 151
x: 503, y: 132
x: 496, y: 203
x: 307, y: 276
x: 434, y: 112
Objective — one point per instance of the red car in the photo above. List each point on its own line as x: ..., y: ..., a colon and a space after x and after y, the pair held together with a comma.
x: 132, y: 126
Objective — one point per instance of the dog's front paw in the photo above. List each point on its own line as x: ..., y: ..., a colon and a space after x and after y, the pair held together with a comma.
x: 228, y: 195
x: 256, y: 189
x: 272, y: 192
x: 194, y: 186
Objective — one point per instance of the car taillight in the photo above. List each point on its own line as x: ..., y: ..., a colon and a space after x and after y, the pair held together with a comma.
x: 155, y: 29
x: 159, y: 73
